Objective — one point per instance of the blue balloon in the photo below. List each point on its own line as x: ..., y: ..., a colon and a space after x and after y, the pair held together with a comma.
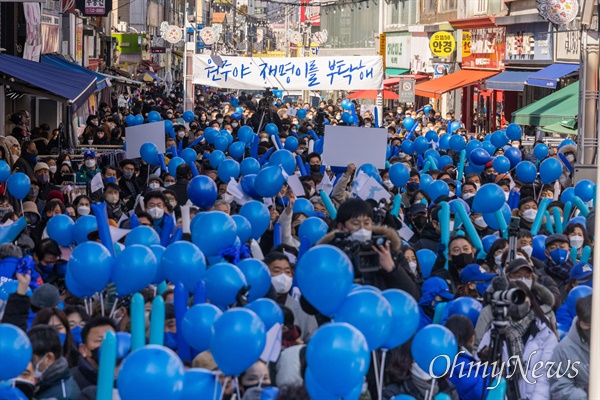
x: 345, y: 117
x: 467, y: 306
x: 301, y: 113
x: 60, y: 228
x: 213, y: 232
x: 173, y: 164
x: 151, y: 372
x: 370, y: 313
x: 457, y: 143
x: 584, y: 189
x: 472, y: 145
x: 149, y: 153
x: 123, y: 344
x: 269, y: 312
x: 408, y: 123
x: 446, y: 160
x: 444, y: 142
x: 221, y: 143
x: 313, y: 228
x: 238, y: 341
x: 291, y: 143
x: 540, y: 151
x: 514, y: 156
x: 189, y: 155
x: 514, y: 132
x: 550, y: 170
x: 324, y: 275
x: 501, y: 164
x: 243, y: 228
x: 75, y: 288
x: 246, y: 134
x: 249, y: 166
x: 154, y: 116
x: 158, y: 251
x: 405, y: 318
x: 407, y: 147
x: 420, y: 145
x: 130, y: 120
x: 433, y: 154
x: 258, y: 215
x: 568, y: 195
x: 488, y: 199
x: 15, y: 351
x: 489, y: 147
x: 499, y: 139
x: 490, y: 218
x: 432, y: 136
x: 8, y: 287
x: 526, y: 171
x: 134, y: 269
x: 272, y: 129
x: 223, y: 282
x: 184, y: 262
x: 18, y: 185
x: 285, y: 158
x: 257, y: 277
x: 197, y: 325
x: 188, y: 116
x: 269, y: 181
x: 237, y: 150
x: 437, y: 189
x: 198, y: 382
x: 168, y: 126
x: 247, y: 184
x: 317, y: 391
x: 139, y: 119
x: 370, y: 170
x: 228, y: 135
x: 143, y: 235
x: 215, y: 158
x: 210, y: 134
x: 346, y: 104
x: 202, y: 191
x: 228, y: 169
x: 567, y: 142
x: 454, y: 126
x: 488, y: 240
x: 4, y: 171
x: 304, y: 206
x: 575, y: 294
x: 479, y: 156
x: 539, y: 247
x: 399, y: 174
x: 338, y: 356
x: 430, y: 343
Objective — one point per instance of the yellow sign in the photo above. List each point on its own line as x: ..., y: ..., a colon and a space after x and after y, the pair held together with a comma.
x: 382, y: 43
x: 466, y: 44
x: 442, y: 44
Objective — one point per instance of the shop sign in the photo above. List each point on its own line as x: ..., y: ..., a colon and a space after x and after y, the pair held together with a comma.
x: 397, y: 52
x: 527, y: 43
x: 488, y: 48
x: 442, y: 44
x: 466, y: 44
x: 568, y: 46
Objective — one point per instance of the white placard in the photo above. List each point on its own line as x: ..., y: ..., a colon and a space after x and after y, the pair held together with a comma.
x: 296, y: 186
x: 302, y: 73
x: 352, y: 145
x: 136, y: 136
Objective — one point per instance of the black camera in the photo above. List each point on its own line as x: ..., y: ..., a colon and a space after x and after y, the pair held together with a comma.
x: 320, y: 121
x: 502, y: 299
x: 364, y: 258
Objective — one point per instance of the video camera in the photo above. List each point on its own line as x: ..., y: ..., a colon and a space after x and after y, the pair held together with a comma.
x: 364, y: 258
x: 502, y: 299
x: 320, y: 121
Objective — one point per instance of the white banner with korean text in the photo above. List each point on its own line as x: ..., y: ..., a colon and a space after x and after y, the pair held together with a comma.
x: 322, y: 73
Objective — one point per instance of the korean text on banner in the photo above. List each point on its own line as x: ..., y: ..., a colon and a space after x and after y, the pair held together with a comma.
x: 322, y: 73
x: 346, y: 145
x: 136, y: 136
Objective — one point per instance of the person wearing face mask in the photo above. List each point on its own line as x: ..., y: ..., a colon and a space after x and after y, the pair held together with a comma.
x: 314, y: 162
x: 475, y: 281
x: 414, y: 269
x: 527, y: 212
x: 430, y: 235
x: 468, y: 192
x: 28, y: 160
x: 91, y: 126
x: 434, y: 291
x: 531, y: 337
x: 89, y: 168
x: 92, y: 335
x: 42, y: 175
x: 181, y: 135
x: 184, y: 176
x: 578, y: 237
x: 115, y: 207
x: 54, y: 379
x: 82, y: 205
x: 254, y: 380
x: 411, y: 187
x: 575, y: 346
x: 417, y: 217
x: 461, y: 253
x: 128, y: 186
x: 155, y: 204
x: 355, y: 219
x: 282, y: 276
x: 558, y: 263
x: 496, y: 256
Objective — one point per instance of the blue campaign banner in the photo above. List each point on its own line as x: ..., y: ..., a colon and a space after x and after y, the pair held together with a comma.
x: 322, y: 73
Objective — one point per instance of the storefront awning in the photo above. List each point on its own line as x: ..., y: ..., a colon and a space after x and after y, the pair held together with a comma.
x: 513, y: 81
x: 396, y: 71
x: 549, y: 76
x: 465, y: 77
x: 372, y: 94
x: 559, y: 128
x: 556, y: 107
x: 58, y: 61
x: 44, y: 79
x: 395, y: 81
x: 119, y: 80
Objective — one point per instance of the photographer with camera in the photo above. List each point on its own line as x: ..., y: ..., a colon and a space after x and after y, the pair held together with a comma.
x: 266, y: 114
x: 375, y: 245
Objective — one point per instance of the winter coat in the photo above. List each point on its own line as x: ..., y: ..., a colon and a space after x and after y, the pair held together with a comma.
x: 570, y: 350
x: 339, y: 192
x: 17, y: 311
x: 430, y: 239
x: 398, y: 278
x: 85, y: 175
x: 84, y: 374
x: 537, y: 349
x: 57, y: 383
x: 25, y: 164
x: 129, y: 190
x: 470, y: 384
x: 180, y: 189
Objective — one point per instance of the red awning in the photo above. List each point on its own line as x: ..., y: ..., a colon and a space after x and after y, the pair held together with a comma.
x: 151, y: 65
x: 372, y: 94
x: 465, y: 77
x: 394, y: 81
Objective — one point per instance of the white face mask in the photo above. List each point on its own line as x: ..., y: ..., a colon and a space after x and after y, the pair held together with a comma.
x: 367, y: 125
x: 576, y: 241
x: 181, y: 134
x: 571, y: 158
x: 480, y: 222
x: 112, y: 198
x: 36, y: 371
x: 91, y: 163
x: 167, y: 184
x: 234, y: 124
x: 299, y: 151
x: 156, y: 213
x: 83, y: 210
x: 154, y: 185
x: 506, y: 195
x: 498, y: 260
x: 478, y: 185
x: 412, y: 266
x: 467, y: 196
x: 282, y: 283
x: 220, y: 120
x: 528, y: 250
x: 361, y: 235
x: 52, y: 169
x: 227, y: 198
x: 529, y: 215
x: 388, y: 184
x: 451, y: 194
x: 526, y: 281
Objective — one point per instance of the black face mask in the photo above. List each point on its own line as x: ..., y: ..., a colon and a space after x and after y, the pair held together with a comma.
x: 462, y: 260
x: 316, y: 168
x: 419, y: 222
x: 518, y: 312
x: 26, y: 387
x: 96, y: 355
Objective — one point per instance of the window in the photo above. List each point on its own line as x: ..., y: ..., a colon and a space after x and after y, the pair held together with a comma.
x: 482, y: 6
x: 428, y: 6
x: 446, y: 5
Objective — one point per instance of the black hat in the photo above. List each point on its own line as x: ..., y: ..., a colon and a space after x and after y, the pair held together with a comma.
x: 517, y: 264
x: 557, y: 237
x: 417, y: 209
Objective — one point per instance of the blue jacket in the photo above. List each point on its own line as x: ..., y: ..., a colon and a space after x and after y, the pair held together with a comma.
x: 564, y: 319
x: 470, y: 385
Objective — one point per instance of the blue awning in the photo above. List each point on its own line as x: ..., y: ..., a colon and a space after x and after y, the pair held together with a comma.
x: 513, y: 81
x: 549, y: 76
x: 74, y: 87
x: 58, y: 61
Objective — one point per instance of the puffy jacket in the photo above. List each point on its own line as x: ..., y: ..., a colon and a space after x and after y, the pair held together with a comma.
x: 470, y: 383
x: 85, y: 175
x: 57, y: 383
x: 570, y: 350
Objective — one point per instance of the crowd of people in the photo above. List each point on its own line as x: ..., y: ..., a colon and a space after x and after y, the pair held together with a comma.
x: 546, y: 258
